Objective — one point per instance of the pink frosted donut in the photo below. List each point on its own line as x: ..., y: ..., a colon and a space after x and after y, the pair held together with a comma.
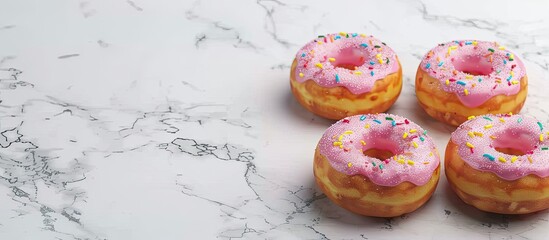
x: 338, y: 75
x: 463, y: 78
x: 377, y: 165
x: 500, y: 163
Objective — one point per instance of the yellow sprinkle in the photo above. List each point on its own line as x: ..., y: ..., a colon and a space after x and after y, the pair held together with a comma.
x: 449, y: 51
x: 447, y: 81
x: 337, y: 143
x: 466, y: 92
x: 378, y: 55
x: 512, y: 73
x: 501, y: 159
x: 513, y: 159
x: 510, y: 113
x: 415, y: 144
x: 349, y: 164
x: 530, y: 159
x: 515, y: 82
x: 413, y: 130
x: 478, y: 134
x: 488, y: 126
x: 541, y: 137
x: 380, y: 60
x: 430, y: 154
x: 425, y: 163
x: 501, y: 48
x: 331, y: 59
x: 358, y: 72
x: 343, y: 34
x: 362, y: 142
x: 475, y: 43
x: 468, y: 77
x: 469, y: 145
x: 405, y: 135
x: 319, y: 42
x: 340, y: 137
x: 454, y: 47
x: 319, y: 65
x: 470, y: 117
x: 493, y: 137
x: 348, y: 132
x: 367, y: 126
x: 471, y: 134
x: 401, y: 161
x: 498, y: 80
x: 363, y: 35
x: 502, y: 120
x: 301, y: 74
x: 410, y: 162
x: 511, y: 56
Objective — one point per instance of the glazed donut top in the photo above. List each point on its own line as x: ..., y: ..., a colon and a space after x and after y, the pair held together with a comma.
x: 479, y: 138
x: 354, y: 61
x: 474, y: 70
x: 415, y: 159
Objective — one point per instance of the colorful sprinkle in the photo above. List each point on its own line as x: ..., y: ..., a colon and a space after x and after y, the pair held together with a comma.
x: 530, y: 159
x: 413, y: 130
x: 319, y: 65
x: 415, y: 144
x: 405, y: 135
x: 363, y: 117
x: 410, y: 162
x: 364, y: 45
x: 337, y: 77
x: 377, y: 121
x: 462, y: 83
x: 487, y: 118
x: 544, y: 148
x: 466, y: 92
x: 470, y: 145
x: 540, y: 126
x: 362, y: 142
x: 491, y: 50
x: 488, y: 126
x: 502, y: 159
x: 490, y: 157
x: 338, y: 144
x: 421, y: 138
x: 447, y: 81
x: 440, y: 64
x: 470, y: 117
x: 358, y: 72
x: 301, y: 75
x: 372, y: 73
x: 331, y: 59
x: 349, y: 164
x: 541, y: 137
x: 428, y: 66
x: 513, y: 159
x: 303, y: 55
x: 519, y: 120
x: 502, y: 120
x: 367, y: 126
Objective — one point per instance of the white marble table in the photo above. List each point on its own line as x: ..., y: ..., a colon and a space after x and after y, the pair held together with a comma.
x: 135, y: 119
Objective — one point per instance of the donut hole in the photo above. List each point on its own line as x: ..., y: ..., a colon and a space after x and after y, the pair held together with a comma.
x: 514, y: 142
x: 473, y: 65
x: 349, y: 58
x: 381, y: 149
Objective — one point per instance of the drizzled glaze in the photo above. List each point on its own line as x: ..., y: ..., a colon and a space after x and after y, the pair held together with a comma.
x: 474, y: 70
x: 478, y: 138
x: 321, y: 60
x: 415, y: 155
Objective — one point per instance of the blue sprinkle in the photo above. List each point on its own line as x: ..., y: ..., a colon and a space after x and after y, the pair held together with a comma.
x: 462, y: 83
x: 519, y: 120
x: 487, y: 118
x: 440, y: 64
x: 421, y: 138
x: 428, y: 65
x: 303, y: 55
x: 479, y: 79
x: 364, y: 45
x: 456, y: 42
x: 393, y: 123
x: 540, y: 126
x: 377, y: 121
x: 337, y: 78
x: 507, y: 54
x: 372, y: 63
x: 362, y: 118
x: 337, y: 37
x: 468, y: 43
x: 509, y: 78
x: 354, y: 34
x: 372, y: 73
x: 490, y: 157
x: 504, y: 61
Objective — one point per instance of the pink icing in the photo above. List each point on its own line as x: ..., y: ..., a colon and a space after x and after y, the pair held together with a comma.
x: 321, y: 60
x: 518, y: 132
x: 415, y: 157
x: 474, y: 70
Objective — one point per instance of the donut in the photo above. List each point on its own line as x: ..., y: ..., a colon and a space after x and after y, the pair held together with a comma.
x: 378, y: 165
x: 345, y: 74
x: 500, y: 163
x: 462, y: 78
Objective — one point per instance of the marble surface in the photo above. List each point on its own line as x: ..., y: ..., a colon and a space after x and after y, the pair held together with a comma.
x: 136, y: 119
